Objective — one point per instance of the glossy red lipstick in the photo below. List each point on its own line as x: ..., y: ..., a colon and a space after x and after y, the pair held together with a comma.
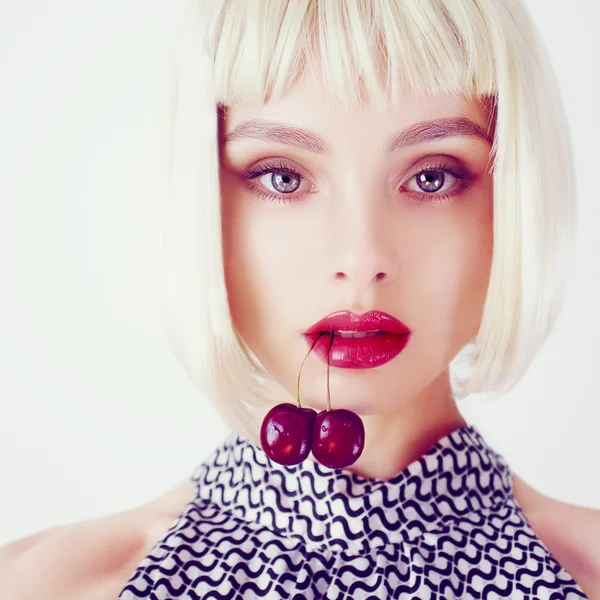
x: 380, y: 337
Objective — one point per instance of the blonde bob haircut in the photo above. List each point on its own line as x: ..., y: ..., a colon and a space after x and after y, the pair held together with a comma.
x: 237, y: 51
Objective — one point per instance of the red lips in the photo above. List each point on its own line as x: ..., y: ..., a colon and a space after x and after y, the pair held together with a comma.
x: 358, y: 353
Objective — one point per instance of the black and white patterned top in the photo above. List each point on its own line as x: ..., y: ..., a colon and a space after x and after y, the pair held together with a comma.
x: 446, y: 527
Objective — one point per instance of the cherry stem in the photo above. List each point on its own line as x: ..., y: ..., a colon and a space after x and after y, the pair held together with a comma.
x: 328, y: 360
x: 301, y: 366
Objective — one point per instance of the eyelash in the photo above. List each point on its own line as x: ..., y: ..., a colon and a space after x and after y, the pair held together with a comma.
x: 266, y: 168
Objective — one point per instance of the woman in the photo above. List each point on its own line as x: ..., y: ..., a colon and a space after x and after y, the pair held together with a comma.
x: 373, y: 187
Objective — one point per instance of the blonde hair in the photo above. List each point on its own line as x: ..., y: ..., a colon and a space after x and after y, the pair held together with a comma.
x: 230, y: 51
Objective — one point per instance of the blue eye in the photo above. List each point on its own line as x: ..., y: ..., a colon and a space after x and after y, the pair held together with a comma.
x: 283, y: 178
x: 434, y: 181
x: 285, y: 182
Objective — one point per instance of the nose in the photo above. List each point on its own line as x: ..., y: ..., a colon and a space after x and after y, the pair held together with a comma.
x: 363, y: 242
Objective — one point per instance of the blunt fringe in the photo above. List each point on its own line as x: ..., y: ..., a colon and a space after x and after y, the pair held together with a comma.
x: 236, y: 51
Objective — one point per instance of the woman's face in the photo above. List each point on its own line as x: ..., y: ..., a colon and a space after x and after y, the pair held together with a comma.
x: 346, y: 223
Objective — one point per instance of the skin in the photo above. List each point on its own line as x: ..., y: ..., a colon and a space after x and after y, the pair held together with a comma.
x: 360, y: 235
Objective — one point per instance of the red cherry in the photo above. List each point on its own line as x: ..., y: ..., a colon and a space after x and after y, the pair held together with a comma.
x: 286, y: 433
x: 338, y: 438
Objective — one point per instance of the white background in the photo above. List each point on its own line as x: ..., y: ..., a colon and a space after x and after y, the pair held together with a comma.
x: 95, y: 414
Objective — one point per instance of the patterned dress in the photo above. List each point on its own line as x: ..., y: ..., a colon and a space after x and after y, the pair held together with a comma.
x: 446, y: 527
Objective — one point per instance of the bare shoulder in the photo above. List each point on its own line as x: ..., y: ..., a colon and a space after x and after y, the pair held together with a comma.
x: 571, y: 533
x: 91, y: 560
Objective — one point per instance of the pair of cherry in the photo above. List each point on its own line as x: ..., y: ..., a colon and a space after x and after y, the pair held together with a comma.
x: 335, y: 437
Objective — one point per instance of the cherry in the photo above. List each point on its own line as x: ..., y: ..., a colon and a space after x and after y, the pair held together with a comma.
x: 338, y: 438
x: 286, y: 433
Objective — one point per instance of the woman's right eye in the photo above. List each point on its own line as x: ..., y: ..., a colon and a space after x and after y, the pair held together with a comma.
x: 283, y: 181
x: 275, y: 182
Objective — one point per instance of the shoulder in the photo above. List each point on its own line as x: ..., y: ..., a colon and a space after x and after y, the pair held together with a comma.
x: 571, y: 533
x: 92, y: 559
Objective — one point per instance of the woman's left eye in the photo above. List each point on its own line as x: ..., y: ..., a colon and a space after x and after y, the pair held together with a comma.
x: 437, y: 183
x: 433, y: 180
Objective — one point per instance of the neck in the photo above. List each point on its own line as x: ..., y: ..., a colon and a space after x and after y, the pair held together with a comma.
x: 395, y: 439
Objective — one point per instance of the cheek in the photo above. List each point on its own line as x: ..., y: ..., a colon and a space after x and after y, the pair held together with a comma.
x: 455, y: 271
x: 261, y: 259
x: 256, y: 249
x: 450, y: 271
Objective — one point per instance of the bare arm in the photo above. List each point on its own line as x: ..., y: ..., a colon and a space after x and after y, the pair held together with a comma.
x: 22, y: 544
x: 571, y: 533
x: 89, y: 560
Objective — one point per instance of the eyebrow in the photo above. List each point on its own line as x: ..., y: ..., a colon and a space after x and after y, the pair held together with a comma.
x: 417, y: 133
